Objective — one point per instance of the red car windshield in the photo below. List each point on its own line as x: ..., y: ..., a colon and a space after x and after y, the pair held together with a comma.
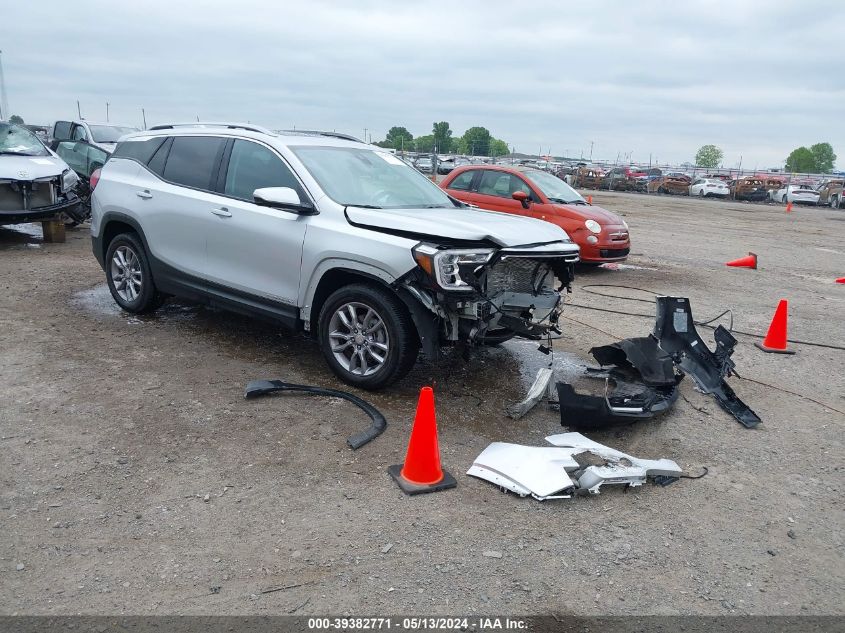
x: 554, y: 188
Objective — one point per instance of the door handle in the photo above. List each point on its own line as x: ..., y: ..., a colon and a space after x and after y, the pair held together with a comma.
x: 223, y: 212
x: 144, y: 194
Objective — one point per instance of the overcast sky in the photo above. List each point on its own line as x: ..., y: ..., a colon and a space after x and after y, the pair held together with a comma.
x: 650, y: 78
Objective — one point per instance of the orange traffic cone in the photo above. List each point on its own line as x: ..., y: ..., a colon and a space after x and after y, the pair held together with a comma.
x: 775, y: 340
x: 744, y: 262
x: 421, y: 471
x: 841, y: 280
x: 589, y: 199
x: 789, y: 207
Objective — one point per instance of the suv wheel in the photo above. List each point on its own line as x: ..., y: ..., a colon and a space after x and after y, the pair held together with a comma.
x: 128, y: 275
x: 834, y: 203
x: 366, y: 336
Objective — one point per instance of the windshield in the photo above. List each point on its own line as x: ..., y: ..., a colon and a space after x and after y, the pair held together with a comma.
x: 359, y: 177
x: 554, y: 188
x: 15, y: 139
x: 109, y: 133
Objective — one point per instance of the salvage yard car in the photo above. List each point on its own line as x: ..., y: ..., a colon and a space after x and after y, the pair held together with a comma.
x: 705, y: 187
x: 320, y: 232
x: 102, y: 135
x: 674, y: 184
x: 830, y: 193
x: 35, y: 184
x: 601, y: 234
x: 796, y: 194
x: 749, y: 188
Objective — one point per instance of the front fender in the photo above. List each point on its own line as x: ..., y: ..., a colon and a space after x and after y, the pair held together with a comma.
x: 337, y: 263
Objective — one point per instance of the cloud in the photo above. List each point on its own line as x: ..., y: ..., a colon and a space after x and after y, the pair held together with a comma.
x: 756, y: 78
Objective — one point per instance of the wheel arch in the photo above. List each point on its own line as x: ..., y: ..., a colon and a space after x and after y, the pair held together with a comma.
x: 113, y: 224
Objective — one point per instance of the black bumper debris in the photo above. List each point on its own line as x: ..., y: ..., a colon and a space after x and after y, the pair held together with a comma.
x: 630, y: 400
x: 647, y: 371
x: 676, y: 334
x: 379, y: 423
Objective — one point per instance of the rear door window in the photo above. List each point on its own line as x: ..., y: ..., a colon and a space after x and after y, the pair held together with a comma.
x: 140, y: 150
x: 193, y: 161
x: 253, y: 166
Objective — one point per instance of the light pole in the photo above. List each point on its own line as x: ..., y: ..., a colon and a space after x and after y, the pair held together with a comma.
x: 107, y: 111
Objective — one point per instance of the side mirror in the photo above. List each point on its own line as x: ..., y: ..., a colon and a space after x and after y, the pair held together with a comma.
x: 522, y: 198
x: 283, y: 198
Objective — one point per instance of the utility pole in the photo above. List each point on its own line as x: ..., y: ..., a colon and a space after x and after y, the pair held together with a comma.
x: 107, y: 111
x: 4, y: 104
x: 591, y: 151
x: 144, y: 116
x: 365, y: 135
x: 78, y: 110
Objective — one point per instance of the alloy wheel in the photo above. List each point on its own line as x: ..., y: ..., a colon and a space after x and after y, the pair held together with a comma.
x: 358, y: 338
x: 126, y: 273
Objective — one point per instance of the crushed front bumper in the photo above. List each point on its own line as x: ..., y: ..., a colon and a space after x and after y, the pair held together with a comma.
x: 17, y: 216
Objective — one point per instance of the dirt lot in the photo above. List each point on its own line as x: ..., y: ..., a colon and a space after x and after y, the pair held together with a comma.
x: 136, y: 479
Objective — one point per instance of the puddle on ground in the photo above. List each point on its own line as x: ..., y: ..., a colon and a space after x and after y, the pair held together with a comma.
x: 20, y: 235
x: 98, y: 301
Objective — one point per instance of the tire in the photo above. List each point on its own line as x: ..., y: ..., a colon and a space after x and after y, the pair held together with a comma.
x: 125, y: 253
x: 834, y: 202
x: 701, y: 193
x: 350, y: 338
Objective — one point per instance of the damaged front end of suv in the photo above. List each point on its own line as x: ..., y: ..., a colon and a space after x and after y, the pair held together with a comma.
x: 483, y: 294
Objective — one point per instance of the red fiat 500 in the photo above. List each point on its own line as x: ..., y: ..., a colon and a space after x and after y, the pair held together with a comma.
x: 601, y: 234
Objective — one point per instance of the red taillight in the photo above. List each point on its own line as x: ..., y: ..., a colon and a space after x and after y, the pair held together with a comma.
x: 94, y: 179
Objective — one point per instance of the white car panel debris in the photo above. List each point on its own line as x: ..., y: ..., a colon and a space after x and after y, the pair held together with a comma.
x: 573, y: 464
x: 539, y: 471
x: 617, y: 467
x: 539, y: 389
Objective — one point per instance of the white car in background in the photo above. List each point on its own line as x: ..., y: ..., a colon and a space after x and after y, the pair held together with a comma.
x: 704, y: 187
x: 796, y: 194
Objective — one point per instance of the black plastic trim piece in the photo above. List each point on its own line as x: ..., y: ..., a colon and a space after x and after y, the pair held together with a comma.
x: 257, y: 388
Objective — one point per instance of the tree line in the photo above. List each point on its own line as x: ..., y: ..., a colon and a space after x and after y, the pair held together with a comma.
x: 476, y: 141
x: 816, y: 159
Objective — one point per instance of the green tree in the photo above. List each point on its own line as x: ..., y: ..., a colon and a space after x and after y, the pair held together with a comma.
x: 423, y: 143
x: 397, y: 137
x: 708, y: 156
x: 824, y: 157
x: 442, y: 136
x: 801, y: 160
x: 475, y: 141
x: 499, y: 148
x: 16, y: 119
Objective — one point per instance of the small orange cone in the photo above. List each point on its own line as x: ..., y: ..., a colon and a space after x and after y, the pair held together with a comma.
x: 789, y: 207
x: 589, y: 199
x: 744, y: 262
x: 841, y: 280
x: 421, y: 471
x: 775, y: 340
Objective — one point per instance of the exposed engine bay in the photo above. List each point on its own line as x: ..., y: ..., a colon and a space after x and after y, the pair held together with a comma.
x: 478, y: 292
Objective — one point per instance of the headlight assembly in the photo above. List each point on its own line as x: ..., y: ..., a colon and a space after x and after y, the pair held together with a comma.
x: 445, y: 266
x: 593, y: 226
x: 69, y: 180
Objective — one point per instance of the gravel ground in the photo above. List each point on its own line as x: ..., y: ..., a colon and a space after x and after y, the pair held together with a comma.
x: 136, y: 479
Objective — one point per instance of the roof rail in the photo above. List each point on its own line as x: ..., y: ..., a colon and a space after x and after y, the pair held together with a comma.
x: 346, y: 137
x: 230, y: 126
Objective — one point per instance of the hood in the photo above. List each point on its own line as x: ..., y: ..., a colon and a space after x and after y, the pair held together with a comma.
x: 589, y: 212
x: 473, y: 225
x: 30, y: 167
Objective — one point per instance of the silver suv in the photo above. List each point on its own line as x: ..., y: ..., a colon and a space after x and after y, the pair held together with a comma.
x: 321, y: 232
